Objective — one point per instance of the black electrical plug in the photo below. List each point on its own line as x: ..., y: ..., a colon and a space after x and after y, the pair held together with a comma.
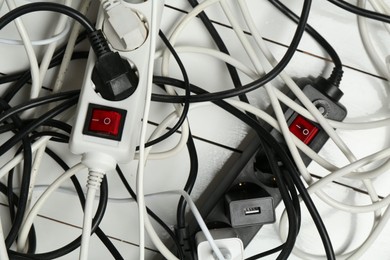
x: 112, y: 75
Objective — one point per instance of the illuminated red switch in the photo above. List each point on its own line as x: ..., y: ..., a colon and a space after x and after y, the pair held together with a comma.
x: 303, y: 129
x: 105, y: 122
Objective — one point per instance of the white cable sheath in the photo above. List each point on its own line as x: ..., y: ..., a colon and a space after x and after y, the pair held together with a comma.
x: 19, y: 157
x: 3, y: 248
x: 61, y: 27
x: 55, y: 38
x: 368, y: 44
x: 322, y: 121
x: 94, y: 180
x: 69, y: 48
x: 26, y: 226
x: 62, y: 22
x: 35, y: 87
x: 142, y: 158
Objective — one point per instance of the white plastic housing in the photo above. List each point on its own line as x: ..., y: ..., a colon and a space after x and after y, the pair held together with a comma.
x: 121, y: 151
x: 226, y: 240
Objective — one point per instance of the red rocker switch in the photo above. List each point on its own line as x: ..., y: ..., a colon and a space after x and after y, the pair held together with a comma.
x: 105, y: 122
x: 303, y: 129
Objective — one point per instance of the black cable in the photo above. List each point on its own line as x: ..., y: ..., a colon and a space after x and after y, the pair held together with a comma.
x: 16, y: 86
x: 296, y: 204
x: 361, y: 11
x: 222, y: 47
x: 17, y: 219
x: 151, y: 213
x: 270, y: 75
x: 190, y: 142
x: 194, y: 165
x: 7, y: 127
x: 186, y: 105
x: 56, y: 137
x: 281, y: 152
x: 21, y: 135
x: 337, y: 72
x: 311, y: 31
x: 38, y: 102
x: 32, y: 242
x: 36, y: 123
x: 288, y: 246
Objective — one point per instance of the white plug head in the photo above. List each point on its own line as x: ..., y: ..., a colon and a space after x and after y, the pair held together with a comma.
x: 227, y: 241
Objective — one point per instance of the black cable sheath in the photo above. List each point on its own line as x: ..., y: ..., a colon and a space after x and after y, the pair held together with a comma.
x: 194, y: 166
x: 291, y: 213
x: 36, y: 123
x: 7, y: 127
x: 57, y: 137
x: 32, y: 239
x: 17, y: 218
x: 16, y: 86
x: 222, y: 47
x: 337, y: 73
x: 38, y: 102
x: 23, y: 197
x: 186, y: 105
x: 361, y: 11
x: 311, y: 31
x: 270, y: 75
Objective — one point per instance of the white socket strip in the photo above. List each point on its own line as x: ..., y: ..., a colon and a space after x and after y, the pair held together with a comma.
x: 103, y: 152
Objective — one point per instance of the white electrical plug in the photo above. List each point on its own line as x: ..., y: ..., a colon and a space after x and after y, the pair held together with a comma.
x: 227, y: 241
x: 107, y: 132
x: 125, y: 28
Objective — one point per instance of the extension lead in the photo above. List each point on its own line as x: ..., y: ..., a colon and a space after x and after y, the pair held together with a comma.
x: 112, y: 98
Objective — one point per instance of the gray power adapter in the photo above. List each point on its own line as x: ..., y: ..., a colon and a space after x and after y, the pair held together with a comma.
x: 247, y: 204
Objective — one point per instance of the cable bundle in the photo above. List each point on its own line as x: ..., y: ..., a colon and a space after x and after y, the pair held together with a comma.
x: 28, y: 131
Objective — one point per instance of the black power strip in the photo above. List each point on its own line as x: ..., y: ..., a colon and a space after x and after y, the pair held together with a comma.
x: 252, y: 167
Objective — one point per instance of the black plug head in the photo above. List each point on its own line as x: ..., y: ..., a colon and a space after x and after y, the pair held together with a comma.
x: 113, y: 77
x: 329, y: 89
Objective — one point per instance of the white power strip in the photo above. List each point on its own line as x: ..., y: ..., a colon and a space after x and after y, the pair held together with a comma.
x: 106, y: 132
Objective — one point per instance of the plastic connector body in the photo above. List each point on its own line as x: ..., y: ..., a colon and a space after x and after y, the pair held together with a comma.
x: 227, y: 241
x: 186, y: 242
x: 113, y: 77
x: 325, y: 96
x: 127, y: 25
x: 248, y: 204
